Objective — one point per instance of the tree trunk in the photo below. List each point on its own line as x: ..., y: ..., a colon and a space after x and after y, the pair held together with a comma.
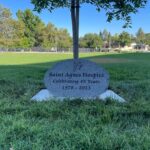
x: 75, y: 27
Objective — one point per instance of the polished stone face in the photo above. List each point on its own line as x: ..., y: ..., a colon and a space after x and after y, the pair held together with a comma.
x: 77, y: 79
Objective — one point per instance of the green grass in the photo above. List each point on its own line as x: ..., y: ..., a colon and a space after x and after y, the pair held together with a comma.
x: 74, y: 125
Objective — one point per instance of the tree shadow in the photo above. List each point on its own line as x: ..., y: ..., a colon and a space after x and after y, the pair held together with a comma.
x: 17, y: 80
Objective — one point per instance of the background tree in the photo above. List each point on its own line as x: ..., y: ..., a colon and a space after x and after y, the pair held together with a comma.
x: 114, y: 9
x: 106, y: 37
x: 29, y: 31
x: 63, y: 39
x: 33, y: 26
x: 124, y: 39
x: 133, y: 38
x: 52, y: 37
x: 109, y: 40
x: 6, y: 30
x: 140, y: 35
x: 115, y: 41
x: 48, y: 36
x: 91, y: 40
x: 147, y: 39
x: 11, y: 31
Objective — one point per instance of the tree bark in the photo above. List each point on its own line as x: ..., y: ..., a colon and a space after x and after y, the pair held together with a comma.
x: 75, y: 27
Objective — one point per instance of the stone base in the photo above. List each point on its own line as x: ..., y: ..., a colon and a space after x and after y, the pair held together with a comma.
x: 111, y: 95
x: 45, y: 95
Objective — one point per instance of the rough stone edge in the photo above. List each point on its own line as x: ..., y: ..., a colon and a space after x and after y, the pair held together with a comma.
x: 45, y: 95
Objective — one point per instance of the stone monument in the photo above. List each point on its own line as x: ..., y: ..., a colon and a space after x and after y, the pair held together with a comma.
x: 77, y: 79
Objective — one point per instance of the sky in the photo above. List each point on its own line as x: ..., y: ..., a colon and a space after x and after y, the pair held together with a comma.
x: 91, y: 21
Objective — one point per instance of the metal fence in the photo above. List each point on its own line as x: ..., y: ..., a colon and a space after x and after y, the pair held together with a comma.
x: 59, y: 50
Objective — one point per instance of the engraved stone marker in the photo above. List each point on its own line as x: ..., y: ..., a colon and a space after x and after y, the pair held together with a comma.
x: 77, y: 79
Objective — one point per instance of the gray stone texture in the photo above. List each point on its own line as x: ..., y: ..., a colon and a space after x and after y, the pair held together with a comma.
x: 77, y: 79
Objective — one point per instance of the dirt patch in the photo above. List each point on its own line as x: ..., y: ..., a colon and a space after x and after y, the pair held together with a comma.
x: 110, y: 60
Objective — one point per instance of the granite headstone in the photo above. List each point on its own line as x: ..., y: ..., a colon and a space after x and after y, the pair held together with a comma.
x: 77, y: 79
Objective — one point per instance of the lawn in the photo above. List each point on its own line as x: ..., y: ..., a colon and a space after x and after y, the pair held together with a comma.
x: 74, y: 125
